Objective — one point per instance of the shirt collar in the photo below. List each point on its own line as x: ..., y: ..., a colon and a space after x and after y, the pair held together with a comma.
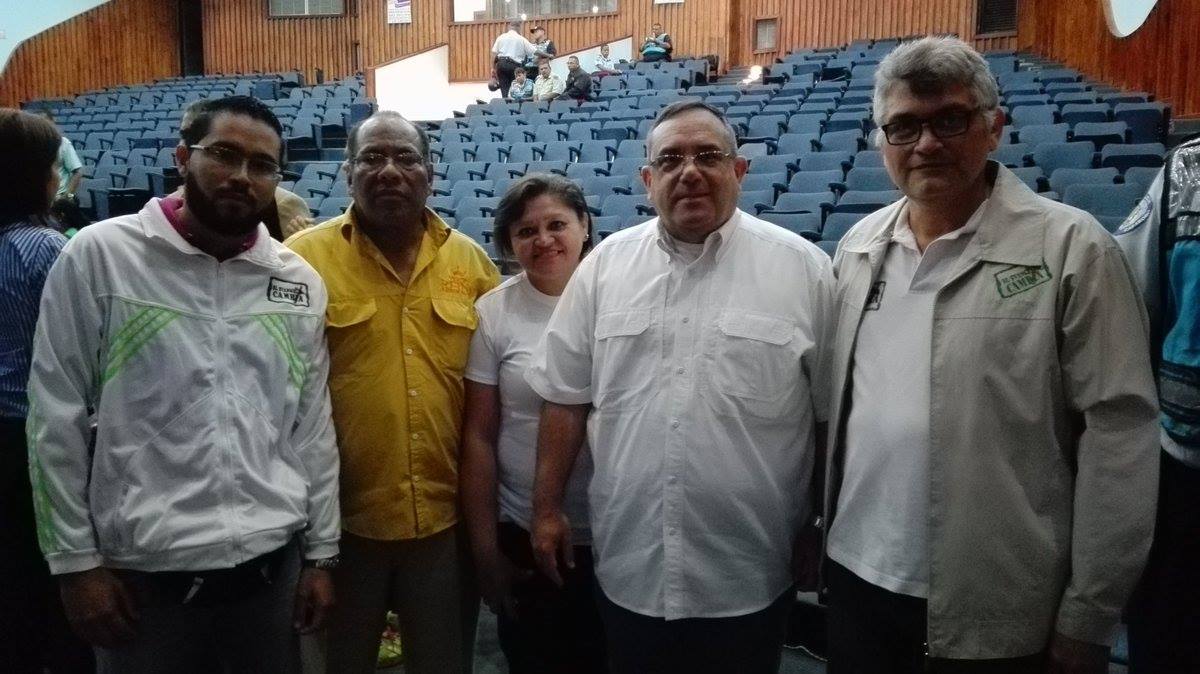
x: 714, y: 244
x: 902, y: 233
x: 156, y: 224
x: 436, y: 234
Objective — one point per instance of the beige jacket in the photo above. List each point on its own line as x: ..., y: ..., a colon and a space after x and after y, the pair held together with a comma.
x: 1044, y: 425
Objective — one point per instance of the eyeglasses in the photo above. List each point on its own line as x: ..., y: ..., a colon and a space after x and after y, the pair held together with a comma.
x: 233, y: 160
x: 375, y: 161
x: 669, y: 163
x: 907, y: 130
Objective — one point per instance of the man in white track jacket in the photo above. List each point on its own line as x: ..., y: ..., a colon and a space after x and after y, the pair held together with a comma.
x: 202, y: 523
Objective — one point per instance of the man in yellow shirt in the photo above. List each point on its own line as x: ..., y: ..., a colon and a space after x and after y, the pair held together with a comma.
x: 402, y: 289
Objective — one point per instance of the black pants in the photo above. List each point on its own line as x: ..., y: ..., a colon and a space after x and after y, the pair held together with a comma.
x: 874, y: 631
x: 749, y: 644
x: 1164, y: 616
x: 504, y: 74
x: 34, y: 633
x: 556, y: 630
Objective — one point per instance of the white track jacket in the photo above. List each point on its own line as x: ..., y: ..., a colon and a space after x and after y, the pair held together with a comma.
x: 207, y: 382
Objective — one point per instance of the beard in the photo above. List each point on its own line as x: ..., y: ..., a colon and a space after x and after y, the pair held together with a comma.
x: 222, y: 219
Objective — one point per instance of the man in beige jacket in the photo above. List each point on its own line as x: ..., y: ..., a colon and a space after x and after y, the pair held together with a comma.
x: 991, y: 482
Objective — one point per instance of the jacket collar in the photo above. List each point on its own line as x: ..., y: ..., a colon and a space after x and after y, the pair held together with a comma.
x: 1013, y: 231
x: 264, y: 252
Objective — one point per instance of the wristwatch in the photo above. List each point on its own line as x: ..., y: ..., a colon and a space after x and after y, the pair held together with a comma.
x: 327, y: 564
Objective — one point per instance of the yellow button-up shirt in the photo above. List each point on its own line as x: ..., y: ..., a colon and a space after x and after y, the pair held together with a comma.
x: 397, y: 355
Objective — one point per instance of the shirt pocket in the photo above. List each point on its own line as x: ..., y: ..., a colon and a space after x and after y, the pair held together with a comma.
x: 351, y: 333
x: 456, y: 322
x: 754, y: 368
x: 625, y: 360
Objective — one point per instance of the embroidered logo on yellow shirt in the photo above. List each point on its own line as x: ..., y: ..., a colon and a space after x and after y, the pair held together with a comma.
x: 458, y: 283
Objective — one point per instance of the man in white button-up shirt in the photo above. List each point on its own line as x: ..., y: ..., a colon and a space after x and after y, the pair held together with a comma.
x: 689, y: 348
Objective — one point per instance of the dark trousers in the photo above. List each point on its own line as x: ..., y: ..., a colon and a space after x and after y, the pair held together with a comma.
x: 556, y: 630
x: 748, y: 644
x: 874, y: 631
x: 504, y: 74
x: 1164, y: 616
x: 34, y: 633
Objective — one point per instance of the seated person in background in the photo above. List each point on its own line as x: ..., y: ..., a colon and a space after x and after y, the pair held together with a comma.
x: 579, y: 82
x: 522, y: 87
x: 543, y: 49
x: 605, y: 64
x: 547, y: 86
x: 657, y: 46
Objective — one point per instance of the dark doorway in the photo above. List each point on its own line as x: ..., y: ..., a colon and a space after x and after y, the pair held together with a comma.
x: 191, y: 37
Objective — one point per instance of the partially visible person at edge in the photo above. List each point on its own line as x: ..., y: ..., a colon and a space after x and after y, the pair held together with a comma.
x: 287, y: 212
x: 36, y: 636
x: 70, y: 174
x: 402, y: 288
x: 1161, y: 239
x: 543, y: 221
x: 195, y: 532
x: 990, y: 483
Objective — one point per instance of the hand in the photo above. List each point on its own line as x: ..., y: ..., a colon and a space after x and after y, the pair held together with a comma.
x: 551, y: 536
x: 806, y: 558
x: 496, y: 578
x: 314, y: 598
x: 298, y: 223
x: 99, y: 606
x: 1072, y: 656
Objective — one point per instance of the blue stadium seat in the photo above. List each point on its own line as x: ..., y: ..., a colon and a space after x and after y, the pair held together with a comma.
x: 1031, y: 176
x: 764, y: 181
x: 1076, y: 113
x: 1114, y: 201
x: 794, y: 202
x: 1063, y: 178
x: 754, y: 201
x: 807, y: 225
x: 1141, y: 175
x: 826, y: 161
x: 866, y: 201
x: 837, y: 224
x: 1013, y: 155
x: 809, y: 182
x: 868, y: 159
x: 1101, y: 133
x: 795, y: 143
x: 841, y: 141
x: 624, y: 205
x: 1147, y: 121
x: 1124, y: 156
x: 869, y: 179
x: 1033, y: 114
x: 593, y: 151
x: 776, y: 163
x: 1035, y: 134
x: 477, y: 227
x: 1051, y: 156
x: 561, y: 151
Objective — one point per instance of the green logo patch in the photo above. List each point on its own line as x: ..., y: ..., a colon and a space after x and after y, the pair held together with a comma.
x: 1017, y: 279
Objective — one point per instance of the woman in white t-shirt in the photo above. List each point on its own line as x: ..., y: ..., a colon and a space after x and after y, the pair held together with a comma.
x: 543, y: 222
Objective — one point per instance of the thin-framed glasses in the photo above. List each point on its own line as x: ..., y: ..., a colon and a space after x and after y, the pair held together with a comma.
x: 908, y: 130
x: 233, y: 160
x: 375, y: 161
x: 710, y: 159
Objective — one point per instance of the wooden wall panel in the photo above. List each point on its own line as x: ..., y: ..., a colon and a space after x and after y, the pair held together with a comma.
x: 239, y: 36
x: 1160, y: 57
x: 120, y: 42
x: 697, y: 27
x: 831, y: 23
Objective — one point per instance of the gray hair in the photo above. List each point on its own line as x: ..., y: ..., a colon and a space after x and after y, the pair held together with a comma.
x: 681, y: 107
x: 931, y: 65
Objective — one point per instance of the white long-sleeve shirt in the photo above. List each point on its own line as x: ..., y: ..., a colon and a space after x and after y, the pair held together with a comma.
x: 214, y: 443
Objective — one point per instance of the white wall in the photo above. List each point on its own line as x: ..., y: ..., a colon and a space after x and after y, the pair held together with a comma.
x: 22, y: 19
x: 419, y: 87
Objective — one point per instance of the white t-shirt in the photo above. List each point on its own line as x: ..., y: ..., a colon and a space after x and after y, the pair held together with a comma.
x: 512, y: 318
x: 513, y: 45
x: 880, y: 529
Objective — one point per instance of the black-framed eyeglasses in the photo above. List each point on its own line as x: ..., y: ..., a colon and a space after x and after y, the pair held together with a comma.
x: 907, y: 130
x: 375, y: 161
x: 669, y: 163
x: 233, y: 160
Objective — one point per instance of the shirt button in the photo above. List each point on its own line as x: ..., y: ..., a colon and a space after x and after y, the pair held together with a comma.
x: 408, y: 352
x: 671, y: 479
x: 679, y: 371
x: 412, y: 392
x: 675, y: 424
x: 405, y: 310
x: 686, y: 319
x: 672, y: 531
x: 416, y: 436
